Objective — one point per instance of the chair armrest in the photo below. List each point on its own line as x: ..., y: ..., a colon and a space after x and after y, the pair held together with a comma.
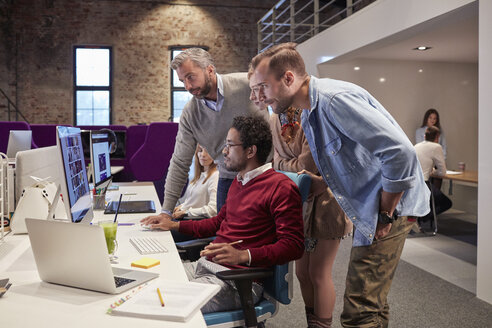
x: 245, y: 274
x: 243, y: 279
x: 193, y: 244
x: 193, y: 218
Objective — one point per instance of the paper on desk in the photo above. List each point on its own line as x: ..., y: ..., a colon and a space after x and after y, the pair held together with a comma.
x: 453, y: 172
x: 181, y: 299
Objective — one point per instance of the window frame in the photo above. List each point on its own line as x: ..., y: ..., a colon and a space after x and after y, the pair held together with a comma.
x: 173, y: 88
x: 92, y: 88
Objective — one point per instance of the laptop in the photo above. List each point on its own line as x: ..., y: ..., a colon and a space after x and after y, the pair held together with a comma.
x: 19, y: 140
x: 131, y: 206
x: 76, y: 255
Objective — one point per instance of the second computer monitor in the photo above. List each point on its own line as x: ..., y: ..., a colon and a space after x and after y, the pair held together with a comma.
x: 75, y: 186
x: 101, y: 168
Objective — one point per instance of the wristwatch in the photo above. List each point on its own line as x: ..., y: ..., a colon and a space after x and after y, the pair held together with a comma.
x: 385, y: 218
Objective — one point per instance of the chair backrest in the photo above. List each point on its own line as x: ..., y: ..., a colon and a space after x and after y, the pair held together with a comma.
x: 303, y: 182
x: 280, y: 285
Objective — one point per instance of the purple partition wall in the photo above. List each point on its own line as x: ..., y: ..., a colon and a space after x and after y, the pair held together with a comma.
x: 44, y: 135
x: 151, y: 161
x: 135, y: 137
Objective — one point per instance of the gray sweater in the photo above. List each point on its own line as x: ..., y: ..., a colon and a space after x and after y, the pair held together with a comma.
x: 200, y: 124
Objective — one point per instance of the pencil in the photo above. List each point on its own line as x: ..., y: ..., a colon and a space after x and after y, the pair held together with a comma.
x: 235, y: 242
x: 160, y: 297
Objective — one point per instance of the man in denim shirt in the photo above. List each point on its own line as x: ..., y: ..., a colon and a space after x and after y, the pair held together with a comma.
x: 367, y: 161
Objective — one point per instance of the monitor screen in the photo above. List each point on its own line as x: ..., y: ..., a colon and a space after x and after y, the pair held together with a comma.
x: 75, y: 184
x: 18, y: 141
x: 101, y: 168
x: 120, y: 152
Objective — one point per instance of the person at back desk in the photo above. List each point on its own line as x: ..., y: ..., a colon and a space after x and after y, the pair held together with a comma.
x: 431, y: 156
x: 263, y: 209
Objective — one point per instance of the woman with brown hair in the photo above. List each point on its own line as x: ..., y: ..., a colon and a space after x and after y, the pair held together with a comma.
x: 200, y: 198
x: 325, y: 224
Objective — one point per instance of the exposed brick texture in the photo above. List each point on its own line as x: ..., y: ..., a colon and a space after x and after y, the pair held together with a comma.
x: 140, y: 33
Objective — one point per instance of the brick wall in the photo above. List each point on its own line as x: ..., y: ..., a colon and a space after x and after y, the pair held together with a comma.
x: 140, y: 33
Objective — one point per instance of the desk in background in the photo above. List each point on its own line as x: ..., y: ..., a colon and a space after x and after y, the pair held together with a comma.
x: 466, y: 178
x: 33, y: 303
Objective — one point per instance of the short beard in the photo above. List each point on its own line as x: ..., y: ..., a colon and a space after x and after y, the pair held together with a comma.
x: 235, y: 168
x: 206, y: 89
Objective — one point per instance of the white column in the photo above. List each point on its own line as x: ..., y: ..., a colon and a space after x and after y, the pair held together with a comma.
x: 484, y: 258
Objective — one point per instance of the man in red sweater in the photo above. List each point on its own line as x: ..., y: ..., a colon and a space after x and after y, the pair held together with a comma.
x: 262, y: 216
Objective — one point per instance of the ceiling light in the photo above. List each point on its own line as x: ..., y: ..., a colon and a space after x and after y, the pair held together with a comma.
x: 421, y: 70
x: 382, y: 79
x: 356, y: 68
x: 422, y: 48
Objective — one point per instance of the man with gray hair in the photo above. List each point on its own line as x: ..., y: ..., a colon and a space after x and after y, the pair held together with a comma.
x: 205, y: 119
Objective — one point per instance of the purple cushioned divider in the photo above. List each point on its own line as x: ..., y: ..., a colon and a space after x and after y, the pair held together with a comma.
x: 5, y: 128
x: 135, y: 137
x: 44, y: 135
x: 151, y: 161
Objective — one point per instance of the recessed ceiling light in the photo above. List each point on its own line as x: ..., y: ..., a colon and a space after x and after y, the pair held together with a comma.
x: 382, y: 79
x: 422, y: 48
x: 421, y: 70
x: 356, y: 68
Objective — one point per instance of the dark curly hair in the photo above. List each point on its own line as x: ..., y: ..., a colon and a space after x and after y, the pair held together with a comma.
x: 254, y: 130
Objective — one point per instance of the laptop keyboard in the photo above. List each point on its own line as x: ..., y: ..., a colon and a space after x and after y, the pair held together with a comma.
x: 122, y: 281
x: 147, y: 245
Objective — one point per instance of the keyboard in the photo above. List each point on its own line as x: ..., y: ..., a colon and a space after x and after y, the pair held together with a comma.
x: 147, y: 245
x: 119, y: 281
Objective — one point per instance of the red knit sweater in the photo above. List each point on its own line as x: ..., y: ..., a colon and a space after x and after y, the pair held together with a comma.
x: 266, y: 214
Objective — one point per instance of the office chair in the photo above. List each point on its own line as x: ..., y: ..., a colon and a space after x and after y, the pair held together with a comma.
x: 278, y: 284
x: 433, y: 208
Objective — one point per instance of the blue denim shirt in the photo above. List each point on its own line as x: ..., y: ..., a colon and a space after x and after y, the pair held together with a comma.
x: 360, y: 150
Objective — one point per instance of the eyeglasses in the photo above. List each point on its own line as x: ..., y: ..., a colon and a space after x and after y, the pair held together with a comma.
x: 229, y: 145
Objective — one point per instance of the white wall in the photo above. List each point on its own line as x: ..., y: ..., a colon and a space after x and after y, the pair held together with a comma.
x: 484, y: 258
x: 380, y: 20
x: 406, y: 93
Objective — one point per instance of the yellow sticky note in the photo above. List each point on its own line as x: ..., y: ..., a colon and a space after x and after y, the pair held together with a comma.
x: 145, y: 263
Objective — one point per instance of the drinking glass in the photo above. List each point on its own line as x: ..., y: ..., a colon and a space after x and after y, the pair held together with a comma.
x: 110, y: 229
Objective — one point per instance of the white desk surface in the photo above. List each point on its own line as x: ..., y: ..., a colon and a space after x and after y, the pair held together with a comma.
x: 33, y: 303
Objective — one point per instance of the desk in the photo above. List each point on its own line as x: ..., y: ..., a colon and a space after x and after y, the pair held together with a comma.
x: 466, y: 178
x: 33, y: 303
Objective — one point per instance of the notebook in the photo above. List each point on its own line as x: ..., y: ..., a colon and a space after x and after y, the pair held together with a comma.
x: 76, y: 255
x: 181, y: 300
x: 132, y: 206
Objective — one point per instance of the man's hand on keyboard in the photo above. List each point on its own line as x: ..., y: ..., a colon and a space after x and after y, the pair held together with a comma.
x: 161, y: 221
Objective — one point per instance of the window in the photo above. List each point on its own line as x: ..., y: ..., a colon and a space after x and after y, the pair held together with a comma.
x: 92, y: 85
x: 179, y: 95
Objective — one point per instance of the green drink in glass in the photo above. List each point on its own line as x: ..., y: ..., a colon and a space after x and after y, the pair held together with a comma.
x: 110, y: 229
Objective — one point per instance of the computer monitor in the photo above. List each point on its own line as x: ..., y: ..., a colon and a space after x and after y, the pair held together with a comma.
x: 74, y: 186
x: 18, y: 141
x: 101, y: 167
x: 119, y: 153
